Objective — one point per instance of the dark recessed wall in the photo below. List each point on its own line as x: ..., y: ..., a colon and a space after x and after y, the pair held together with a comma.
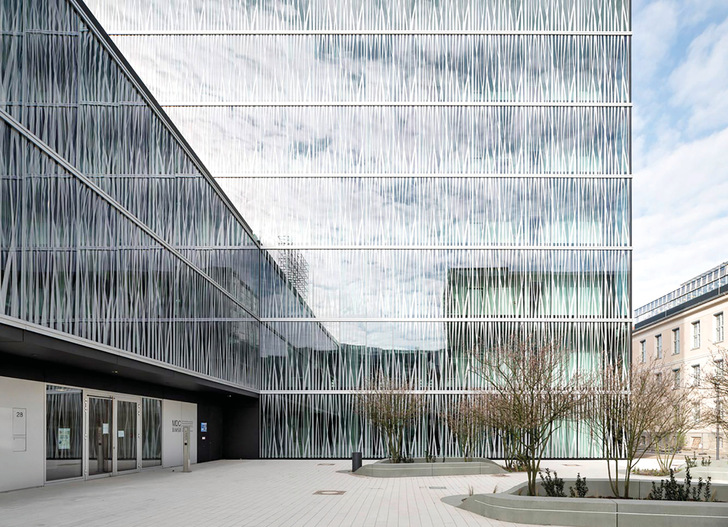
x: 232, y: 419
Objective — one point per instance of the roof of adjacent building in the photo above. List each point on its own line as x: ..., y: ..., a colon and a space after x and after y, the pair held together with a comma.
x: 702, y: 288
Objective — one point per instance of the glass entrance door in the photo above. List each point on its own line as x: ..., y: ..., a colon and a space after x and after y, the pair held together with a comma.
x: 113, y: 432
x: 100, y: 439
x: 127, y: 448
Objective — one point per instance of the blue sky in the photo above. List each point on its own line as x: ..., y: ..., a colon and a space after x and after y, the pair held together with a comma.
x: 680, y: 142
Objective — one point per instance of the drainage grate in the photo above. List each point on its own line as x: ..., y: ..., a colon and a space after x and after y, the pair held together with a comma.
x: 571, y: 465
x: 499, y: 475
x: 329, y: 492
x: 326, y: 464
x: 437, y: 488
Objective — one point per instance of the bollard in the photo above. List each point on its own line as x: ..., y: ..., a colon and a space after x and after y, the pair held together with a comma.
x: 186, y: 449
x: 355, y: 461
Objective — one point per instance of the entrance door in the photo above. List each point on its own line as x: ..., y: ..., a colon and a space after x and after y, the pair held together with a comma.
x: 113, y: 434
x: 100, y: 444
x: 127, y: 435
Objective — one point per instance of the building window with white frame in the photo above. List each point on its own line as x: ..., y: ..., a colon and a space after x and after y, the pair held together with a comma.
x: 643, y: 351
x: 658, y: 346
x: 696, y: 335
x: 696, y: 375
x: 676, y: 378
x: 676, y: 341
x: 718, y: 322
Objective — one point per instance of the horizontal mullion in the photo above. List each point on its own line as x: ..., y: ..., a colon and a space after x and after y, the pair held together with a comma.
x: 408, y: 175
x: 455, y: 104
x: 446, y: 319
x: 474, y: 391
x: 355, y: 32
x: 449, y: 247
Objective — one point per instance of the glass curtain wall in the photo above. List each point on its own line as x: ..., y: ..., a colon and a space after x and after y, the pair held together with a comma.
x: 438, y: 173
x: 64, y: 432
x: 151, y: 432
x: 110, y: 231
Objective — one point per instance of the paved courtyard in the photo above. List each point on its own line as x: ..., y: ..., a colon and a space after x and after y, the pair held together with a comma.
x: 260, y: 493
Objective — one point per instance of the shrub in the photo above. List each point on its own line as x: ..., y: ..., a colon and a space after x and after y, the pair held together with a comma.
x: 691, y: 462
x: 673, y: 491
x: 554, y: 486
x: 581, y: 488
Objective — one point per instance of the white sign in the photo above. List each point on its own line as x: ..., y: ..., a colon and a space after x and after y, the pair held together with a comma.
x: 105, y: 428
x: 64, y: 439
x: 19, y: 440
x: 120, y: 433
x: 19, y: 416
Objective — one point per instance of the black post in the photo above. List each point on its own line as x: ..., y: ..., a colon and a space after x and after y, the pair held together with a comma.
x: 355, y: 461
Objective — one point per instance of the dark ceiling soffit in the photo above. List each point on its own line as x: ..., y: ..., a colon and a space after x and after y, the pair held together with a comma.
x: 34, y: 345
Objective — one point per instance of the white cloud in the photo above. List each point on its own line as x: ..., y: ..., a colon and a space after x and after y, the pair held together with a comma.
x: 681, y: 216
x: 700, y: 82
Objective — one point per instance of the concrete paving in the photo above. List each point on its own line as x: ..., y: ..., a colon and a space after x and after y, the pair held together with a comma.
x: 261, y: 493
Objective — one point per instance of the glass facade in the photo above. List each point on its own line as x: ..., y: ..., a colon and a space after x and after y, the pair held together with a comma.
x: 111, y: 229
x: 443, y: 173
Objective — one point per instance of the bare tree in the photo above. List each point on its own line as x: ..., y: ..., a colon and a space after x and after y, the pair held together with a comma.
x: 632, y: 413
x: 391, y: 405
x: 679, y: 423
x: 535, y: 391
x: 467, y: 420
x: 716, y: 391
x: 506, y: 432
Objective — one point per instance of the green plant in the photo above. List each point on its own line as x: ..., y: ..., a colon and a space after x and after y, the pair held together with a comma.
x: 691, y: 462
x: 581, y: 488
x: 554, y: 486
x: 429, y: 458
x: 673, y: 491
x: 705, y: 462
x: 650, y: 472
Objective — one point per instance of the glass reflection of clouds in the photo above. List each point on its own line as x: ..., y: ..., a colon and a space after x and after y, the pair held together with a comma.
x: 451, y: 172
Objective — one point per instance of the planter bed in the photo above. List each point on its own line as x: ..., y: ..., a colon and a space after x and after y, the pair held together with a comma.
x: 420, y: 467
x: 514, y: 506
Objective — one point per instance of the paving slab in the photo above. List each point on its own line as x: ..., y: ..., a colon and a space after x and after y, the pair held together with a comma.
x: 259, y: 493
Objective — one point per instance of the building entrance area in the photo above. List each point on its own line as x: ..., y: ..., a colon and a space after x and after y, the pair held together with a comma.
x: 93, y: 434
x: 113, y: 432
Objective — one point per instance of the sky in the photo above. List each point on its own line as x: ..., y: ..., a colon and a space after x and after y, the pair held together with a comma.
x: 680, y: 142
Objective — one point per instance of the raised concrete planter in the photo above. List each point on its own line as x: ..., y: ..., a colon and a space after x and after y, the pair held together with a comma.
x: 451, y: 467
x: 514, y: 506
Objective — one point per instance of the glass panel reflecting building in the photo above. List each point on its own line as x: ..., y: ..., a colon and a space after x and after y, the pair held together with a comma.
x: 421, y: 176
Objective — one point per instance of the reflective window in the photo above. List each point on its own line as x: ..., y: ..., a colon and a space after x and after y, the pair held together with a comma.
x: 64, y: 432
x: 151, y: 432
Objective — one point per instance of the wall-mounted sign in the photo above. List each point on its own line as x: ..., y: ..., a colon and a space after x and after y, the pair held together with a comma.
x: 105, y: 428
x: 120, y: 433
x: 203, y: 427
x: 19, y: 429
x: 64, y: 439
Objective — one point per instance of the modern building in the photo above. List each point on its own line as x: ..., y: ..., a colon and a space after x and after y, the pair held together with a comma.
x: 681, y: 331
x: 398, y: 145
x: 414, y: 177
x: 130, y: 287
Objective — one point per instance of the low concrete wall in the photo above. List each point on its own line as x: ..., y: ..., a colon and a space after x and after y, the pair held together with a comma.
x: 451, y: 467
x: 514, y: 506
